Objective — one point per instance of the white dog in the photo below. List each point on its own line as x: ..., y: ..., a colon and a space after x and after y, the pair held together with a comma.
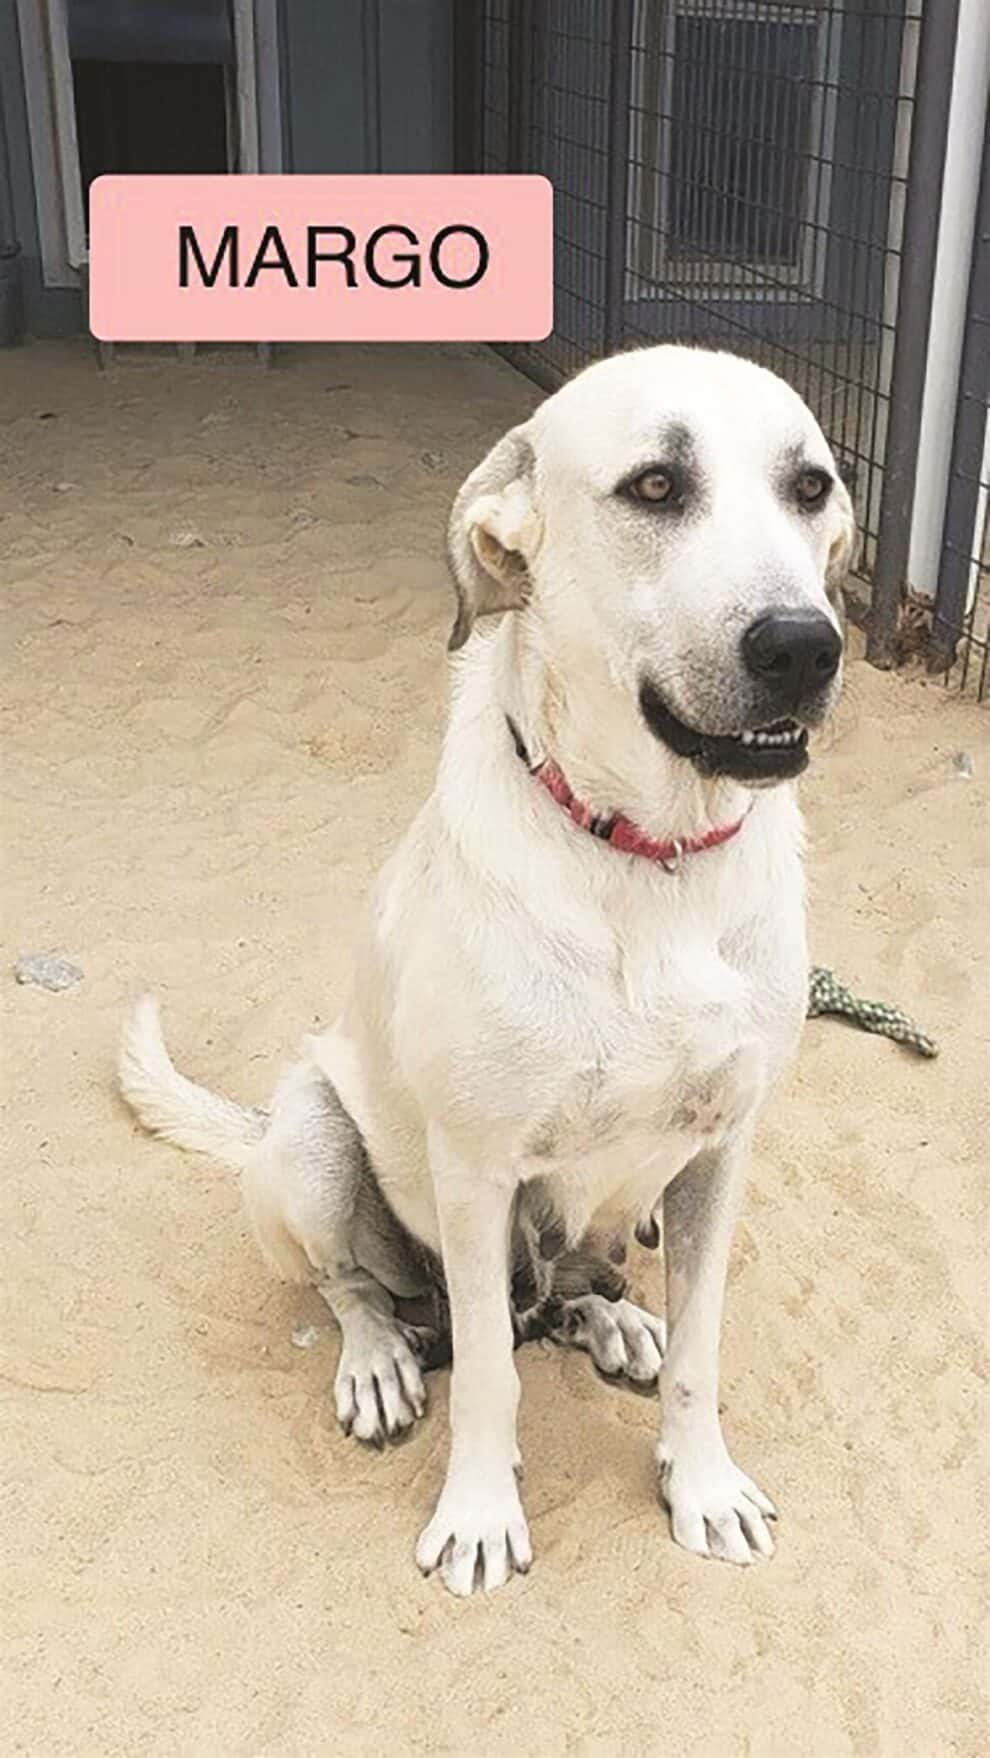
x: 585, y: 964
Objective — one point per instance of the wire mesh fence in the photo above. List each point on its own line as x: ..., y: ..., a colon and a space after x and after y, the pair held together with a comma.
x: 733, y: 173
x: 762, y: 156
x: 961, y: 620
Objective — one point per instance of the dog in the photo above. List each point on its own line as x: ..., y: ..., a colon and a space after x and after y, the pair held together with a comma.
x: 585, y: 966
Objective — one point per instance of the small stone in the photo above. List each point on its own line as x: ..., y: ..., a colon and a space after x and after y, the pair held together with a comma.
x: 187, y: 540
x: 962, y: 763
x: 64, y: 487
x: 47, y: 970
x: 304, y: 1336
x: 363, y: 482
x: 433, y: 460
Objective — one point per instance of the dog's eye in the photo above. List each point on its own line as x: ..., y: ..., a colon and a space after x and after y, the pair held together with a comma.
x: 812, y: 488
x: 654, y: 486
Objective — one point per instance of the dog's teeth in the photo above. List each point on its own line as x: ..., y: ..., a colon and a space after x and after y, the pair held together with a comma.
x: 764, y: 738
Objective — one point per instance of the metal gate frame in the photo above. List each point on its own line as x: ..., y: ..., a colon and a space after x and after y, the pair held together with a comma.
x: 961, y: 610
x: 919, y: 250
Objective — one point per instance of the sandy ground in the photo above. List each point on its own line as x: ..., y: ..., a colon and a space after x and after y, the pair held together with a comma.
x: 225, y: 608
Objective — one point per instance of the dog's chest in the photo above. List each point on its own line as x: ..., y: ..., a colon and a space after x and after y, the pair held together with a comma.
x: 676, y: 1055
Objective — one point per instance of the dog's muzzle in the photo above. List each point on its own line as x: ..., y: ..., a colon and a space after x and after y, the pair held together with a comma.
x: 790, y: 659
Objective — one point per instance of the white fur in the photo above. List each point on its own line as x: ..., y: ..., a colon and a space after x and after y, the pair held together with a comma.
x: 178, y: 1109
x: 519, y: 983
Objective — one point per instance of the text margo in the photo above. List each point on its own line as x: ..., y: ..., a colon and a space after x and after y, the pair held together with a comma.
x: 456, y: 256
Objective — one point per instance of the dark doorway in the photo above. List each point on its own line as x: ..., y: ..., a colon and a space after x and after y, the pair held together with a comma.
x: 153, y: 86
x: 152, y: 117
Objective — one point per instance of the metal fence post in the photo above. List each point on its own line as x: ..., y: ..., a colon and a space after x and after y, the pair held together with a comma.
x: 922, y: 208
x: 967, y: 443
x: 467, y: 85
x: 619, y: 118
x: 11, y: 308
x: 520, y: 34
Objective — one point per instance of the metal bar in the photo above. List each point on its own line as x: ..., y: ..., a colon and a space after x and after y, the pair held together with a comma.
x: 466, y: 84
x: 542, y: 373
x: 520, y: 83
x: 619, y: 117
x: 964, y: 163
x: 967, y: 443
x: 8, y: 225
x: 922, y: 207
x: 11, y: 294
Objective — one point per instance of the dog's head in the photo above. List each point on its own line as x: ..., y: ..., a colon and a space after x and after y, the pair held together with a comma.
x: 678, y: 515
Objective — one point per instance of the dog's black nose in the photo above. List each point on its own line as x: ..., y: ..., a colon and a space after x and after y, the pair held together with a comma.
x: 794, y: 652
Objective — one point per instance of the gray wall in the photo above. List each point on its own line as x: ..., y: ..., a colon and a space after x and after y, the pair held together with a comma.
x: 368, y: 84
x: 365, y: 87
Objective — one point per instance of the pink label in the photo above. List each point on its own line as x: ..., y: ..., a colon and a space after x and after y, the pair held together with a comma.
x: 321, y: 259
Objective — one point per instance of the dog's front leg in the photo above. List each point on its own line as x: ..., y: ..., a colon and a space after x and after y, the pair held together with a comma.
x: 479, y: 1524
x: 714, y: 1508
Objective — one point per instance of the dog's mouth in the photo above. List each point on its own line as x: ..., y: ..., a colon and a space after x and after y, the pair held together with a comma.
x: 775, y: 752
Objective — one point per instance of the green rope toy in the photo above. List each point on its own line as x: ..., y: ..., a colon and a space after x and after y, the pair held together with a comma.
x: 827, y: 995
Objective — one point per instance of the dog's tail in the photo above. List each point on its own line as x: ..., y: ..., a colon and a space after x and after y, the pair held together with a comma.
x: 171, y: 1106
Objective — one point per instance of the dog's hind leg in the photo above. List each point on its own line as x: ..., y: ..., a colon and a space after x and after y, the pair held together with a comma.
x: 621, y: 1338
x: 576, y: 1296
x: 318, y: 1217
x: 379, y: 1389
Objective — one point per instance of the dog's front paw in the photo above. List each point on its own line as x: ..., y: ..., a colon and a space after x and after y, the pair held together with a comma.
x: 477, y: 1536
x: 715, y: 1509
x: 379, y: 1390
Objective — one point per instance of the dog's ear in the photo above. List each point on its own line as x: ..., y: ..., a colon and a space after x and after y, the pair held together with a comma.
x: 841, y: 551
x: 493, y: 535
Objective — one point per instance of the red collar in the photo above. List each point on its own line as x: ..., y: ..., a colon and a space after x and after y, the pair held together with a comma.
x: 619, y: 832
